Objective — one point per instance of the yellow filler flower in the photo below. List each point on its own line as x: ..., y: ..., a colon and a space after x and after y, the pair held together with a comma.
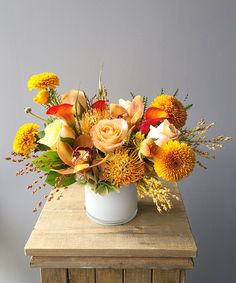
x: 175, y: 109
x: 41, y: 97
x: 123, y: 167
x: 43, y: 80
x: 174, y: 161
x: 25, y: 139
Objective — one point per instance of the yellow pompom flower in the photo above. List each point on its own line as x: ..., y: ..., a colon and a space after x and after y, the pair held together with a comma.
x: 175, y: 109
x: 123, y: 167
x: 25, y: 139
x: 174, y: 161
x: 41, y: 97
x: 43, y: 80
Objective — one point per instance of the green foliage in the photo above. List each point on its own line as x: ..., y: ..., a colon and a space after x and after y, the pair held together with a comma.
x: 132, y: 95
x: 49, y: 160
x: 82, y: 181
x: 104, y: 189
x: 188, y: 106
x: 70, y: 141
x: 176, y: 92
x: 57, y: 180
x: 42, y: 147
x: 78, y: 105
x: 41, y: 134
x: 145, y: 102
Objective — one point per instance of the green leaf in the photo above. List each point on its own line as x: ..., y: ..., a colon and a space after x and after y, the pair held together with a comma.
x: 176, y: 92
x: 145, y: 102
x: 70, y: 141
x: 49, y: 160
x: 188, y: 106
x: 104, y: 189
x: 41, y: 134
x: 82, y: 109
x: 132, y: 94
x: 58, y: 180
x: 82, y: 181
x: 42, y: 147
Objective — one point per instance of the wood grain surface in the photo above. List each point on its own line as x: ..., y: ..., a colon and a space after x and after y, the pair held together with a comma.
x: 63, y: 229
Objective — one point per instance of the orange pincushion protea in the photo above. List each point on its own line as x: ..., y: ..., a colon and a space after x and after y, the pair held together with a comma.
x: 123, y: 167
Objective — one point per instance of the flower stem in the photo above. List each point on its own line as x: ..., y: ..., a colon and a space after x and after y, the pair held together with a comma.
x: 36, y: 116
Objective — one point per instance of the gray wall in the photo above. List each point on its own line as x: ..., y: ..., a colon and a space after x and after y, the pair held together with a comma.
x: 144, y: 45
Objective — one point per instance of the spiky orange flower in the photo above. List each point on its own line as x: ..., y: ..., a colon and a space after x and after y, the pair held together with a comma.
x: 175, y: 109
x: 123, y: 167
x: 25, y: 139
x: 91, y: 118
x: 174, y: 161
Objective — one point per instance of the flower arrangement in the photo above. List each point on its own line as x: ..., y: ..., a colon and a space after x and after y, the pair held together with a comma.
x: 110, y: 145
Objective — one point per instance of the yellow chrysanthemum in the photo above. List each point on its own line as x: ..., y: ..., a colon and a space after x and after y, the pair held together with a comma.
x: 123, y: 167
x: 173, y: 107
x: 91, y: 118
x: 41, y: 97
x: 43, y: 80
x: 174, y: 161
x: 25, y: 139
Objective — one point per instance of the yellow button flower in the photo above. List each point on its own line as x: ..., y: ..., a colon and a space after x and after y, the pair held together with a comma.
x: 41, y: 97
x: 25, y: 139
x: 43, y: 80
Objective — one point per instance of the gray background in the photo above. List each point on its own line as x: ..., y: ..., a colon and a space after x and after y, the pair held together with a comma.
x: 144, y: 45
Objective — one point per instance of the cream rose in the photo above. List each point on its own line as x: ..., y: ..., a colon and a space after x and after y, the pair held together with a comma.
x: 54, y: 131
x: 163, y: 133
x: 107, y: 135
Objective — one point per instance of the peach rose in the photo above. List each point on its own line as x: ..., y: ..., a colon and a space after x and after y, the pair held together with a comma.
x: 132, y: 111
x: 148, y: 148
x: 107, y: 135
x: 71, y: 97
x: 163, y: 133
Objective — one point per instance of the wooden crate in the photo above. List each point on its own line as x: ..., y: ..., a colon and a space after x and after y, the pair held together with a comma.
x: 70, y: 248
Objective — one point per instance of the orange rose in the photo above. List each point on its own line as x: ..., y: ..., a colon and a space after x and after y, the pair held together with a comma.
x: 107, y: 135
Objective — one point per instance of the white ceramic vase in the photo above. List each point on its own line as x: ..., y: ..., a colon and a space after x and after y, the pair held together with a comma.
x: 116, y: 208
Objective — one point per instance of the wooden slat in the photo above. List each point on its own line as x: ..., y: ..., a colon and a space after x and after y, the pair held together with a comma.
x: 81, y: 275
x: 112, y: 262
x: 165, y: 276
x: 137, y: 276
x: 182, y: 276
x: 54, y: 275
x: 109, y: 275
x: 63, y: 229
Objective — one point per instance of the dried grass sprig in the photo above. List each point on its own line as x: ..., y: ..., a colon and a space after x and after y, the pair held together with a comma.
x: 162, y: 196
x: 196, y: 137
